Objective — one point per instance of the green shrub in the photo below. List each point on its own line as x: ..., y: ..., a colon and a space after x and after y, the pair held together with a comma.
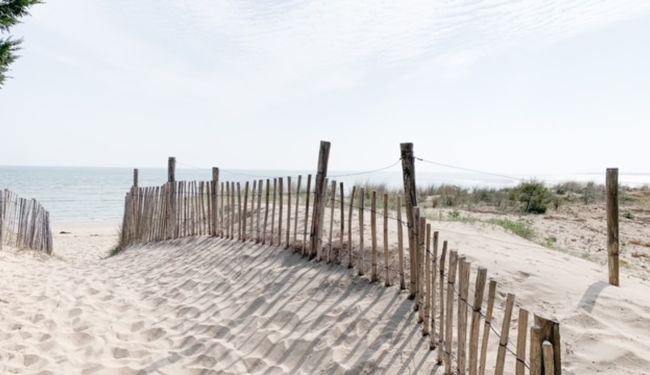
x: 533, y: 196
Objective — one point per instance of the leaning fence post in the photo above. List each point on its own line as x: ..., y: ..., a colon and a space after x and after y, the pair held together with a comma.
x: 319, y: 199
x: 612, y: 225
x: 410, y: 200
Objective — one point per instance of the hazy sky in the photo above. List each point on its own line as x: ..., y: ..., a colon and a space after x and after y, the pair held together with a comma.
x: 505, y: 86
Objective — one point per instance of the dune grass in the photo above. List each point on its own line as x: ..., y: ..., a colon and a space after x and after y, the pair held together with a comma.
x: 520, y: 228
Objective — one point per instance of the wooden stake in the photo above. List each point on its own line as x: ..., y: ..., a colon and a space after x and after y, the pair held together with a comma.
x: 548, y: 330
x: 373, y: 235
x: 342, y: 224
x: 505, y: 330
x: 275, y: 183
x: 443, y: 323
x: 239, y: 213
x: 319, y: 199
x: 535, y: 351
x: 251, y: 231
x: 413, y: 259
x: 492, y: 290
x: 400, y: 243
x: 420, y: 237
x: 288, y: 239
x: 426, y: 330
x: 522, y: 329
x: 463, y: 286
x: 331, y: 231
x: 135, y: 178
x: 451, y: 280
x: 280, y: 209
x: 304, y: 233
x: 215, y: 201
x: 354, y: 190
x: 479, y: 290
x: 410, y: 200
x: 547, y: 353
x: 221, y: 208
x: 386, y: 258
x: 259, y: 210
x: 244, y: 215
x: 295, y: 220
x: 266, y: 210
x: 171, y: 169
x: 612, y: 226
x: 433, y: 276
x: 362, y: 206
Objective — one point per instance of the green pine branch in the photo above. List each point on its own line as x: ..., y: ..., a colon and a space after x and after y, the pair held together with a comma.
x: 10, y: 13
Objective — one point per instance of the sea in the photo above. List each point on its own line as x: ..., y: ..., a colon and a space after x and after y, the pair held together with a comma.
x: 96, y: 194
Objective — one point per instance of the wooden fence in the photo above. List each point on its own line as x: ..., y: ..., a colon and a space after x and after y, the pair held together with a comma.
x: 24, y: 223
x: 449, y: 294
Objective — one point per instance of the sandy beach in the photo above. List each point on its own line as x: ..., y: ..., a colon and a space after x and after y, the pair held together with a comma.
x: 205, y: 305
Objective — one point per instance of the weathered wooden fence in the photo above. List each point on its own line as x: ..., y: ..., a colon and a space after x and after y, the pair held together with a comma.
x: 449, y: 294
x: 24, y: 223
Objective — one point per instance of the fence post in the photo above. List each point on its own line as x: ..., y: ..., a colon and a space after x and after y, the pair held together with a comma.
x: 135, y: 177
x: 612, y: 225
x: 171, y: 169
x: 410, y: 200
x: 545, y: 330
x: 171, y: 214
x: 319, y: 198
x: 215, y: 200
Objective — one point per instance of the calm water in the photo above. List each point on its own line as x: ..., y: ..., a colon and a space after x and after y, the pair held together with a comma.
x: 80, y: 194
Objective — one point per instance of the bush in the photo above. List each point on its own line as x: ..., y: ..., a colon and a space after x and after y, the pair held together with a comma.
x: 533, y: 196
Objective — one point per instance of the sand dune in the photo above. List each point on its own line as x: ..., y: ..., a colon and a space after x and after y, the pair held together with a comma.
x: 204, y: 305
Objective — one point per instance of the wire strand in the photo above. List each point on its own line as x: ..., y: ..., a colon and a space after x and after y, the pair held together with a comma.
x: 369, y: 171
x: 468, y: 169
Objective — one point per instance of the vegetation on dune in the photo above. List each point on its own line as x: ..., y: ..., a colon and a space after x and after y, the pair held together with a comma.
x: 520, y: 228
x: 528, y: 197
x: 533, y: 196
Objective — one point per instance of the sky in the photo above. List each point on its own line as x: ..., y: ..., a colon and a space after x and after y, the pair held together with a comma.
x: 526, y: 87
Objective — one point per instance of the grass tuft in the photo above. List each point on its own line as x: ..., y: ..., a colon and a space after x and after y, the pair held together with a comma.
x: 520, y: 228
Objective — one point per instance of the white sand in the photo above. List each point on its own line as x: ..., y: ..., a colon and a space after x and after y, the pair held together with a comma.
x: 213, y: 306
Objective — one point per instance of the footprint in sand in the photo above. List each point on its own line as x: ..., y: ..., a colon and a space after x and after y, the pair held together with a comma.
x: 37, y: 318
x: 153, y: 334
x: 119, y: 353
x: 80, y: 339
x: 74, y: 312
x: 31, y: 359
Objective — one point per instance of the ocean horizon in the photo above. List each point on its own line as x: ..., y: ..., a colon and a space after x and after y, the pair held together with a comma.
x: 96, y: 194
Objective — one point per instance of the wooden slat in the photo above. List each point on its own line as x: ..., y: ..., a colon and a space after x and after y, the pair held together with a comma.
x: 479, y: 290
x: 505, y: 330
x: 522, y: 330
x: 350, y: 213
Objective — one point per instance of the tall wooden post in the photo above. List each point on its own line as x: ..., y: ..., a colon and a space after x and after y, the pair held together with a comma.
x: 135, y: 177
x: 215, y: 199
x: 171, y: 214
x: 410, y: 201
x: 612, y: 225
x: 171, y: 169
x: 319, y: 199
